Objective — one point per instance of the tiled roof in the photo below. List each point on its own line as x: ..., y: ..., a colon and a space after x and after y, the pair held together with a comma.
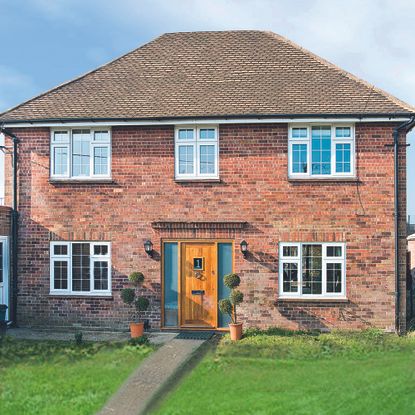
x: 211, y: 74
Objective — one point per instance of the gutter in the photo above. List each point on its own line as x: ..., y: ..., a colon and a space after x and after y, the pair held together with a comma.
x: 404, y: 127
x: 230, y: 117
x: 14, y: 226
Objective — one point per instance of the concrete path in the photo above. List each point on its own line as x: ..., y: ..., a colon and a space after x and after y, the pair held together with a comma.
x: 151, y: 378
x: 36, y: 334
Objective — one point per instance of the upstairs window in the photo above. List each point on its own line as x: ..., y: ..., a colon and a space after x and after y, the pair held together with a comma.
x: 321, y: 151
x: 312, y: 270
x: 196, y: 153
x: 81, y: 153
x: 80, y: 268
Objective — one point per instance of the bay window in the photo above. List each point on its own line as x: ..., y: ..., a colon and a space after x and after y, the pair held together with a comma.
x: 196, y: 153
x: 81, y: 153
x: 312, y: 270
x: 321, y: 151
x: 80, y: 268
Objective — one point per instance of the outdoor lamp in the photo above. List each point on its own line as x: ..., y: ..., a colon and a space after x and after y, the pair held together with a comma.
x: 148, y: 247
x: 244, y: 248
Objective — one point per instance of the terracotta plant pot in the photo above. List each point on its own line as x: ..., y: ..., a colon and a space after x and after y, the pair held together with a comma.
x: 236, y: 331
x: 136, y: 329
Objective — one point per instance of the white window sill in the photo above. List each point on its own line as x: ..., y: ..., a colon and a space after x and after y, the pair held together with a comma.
x: 314, y: 299
x: 79, y: 294
x: 81, y: 180
x: 323, y: 179
x: 197, y: 179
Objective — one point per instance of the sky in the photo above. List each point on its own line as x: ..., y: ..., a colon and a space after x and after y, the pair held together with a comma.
x: 47, y: 42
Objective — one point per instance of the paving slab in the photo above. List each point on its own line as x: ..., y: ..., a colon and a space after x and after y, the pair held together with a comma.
x: 150, y: 377
x: 157, y: 338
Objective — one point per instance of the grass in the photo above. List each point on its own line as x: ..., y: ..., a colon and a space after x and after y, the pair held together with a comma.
x: 281, y: 372
x: 50, y: 377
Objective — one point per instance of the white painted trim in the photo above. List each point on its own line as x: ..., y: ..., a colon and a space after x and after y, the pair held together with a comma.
x: 325, y: 260
x: 6, y: 271
x: 334, y: 140
x: 69, y: 145
x: 197, y: 121
x: 196, y: 143
x: 68, y: 259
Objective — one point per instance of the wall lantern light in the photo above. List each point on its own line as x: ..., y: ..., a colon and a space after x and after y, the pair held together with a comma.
x: 244, y: 248
x: 148, y: 247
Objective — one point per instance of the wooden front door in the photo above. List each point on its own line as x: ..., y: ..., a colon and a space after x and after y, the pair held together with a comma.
x: 198, y: 289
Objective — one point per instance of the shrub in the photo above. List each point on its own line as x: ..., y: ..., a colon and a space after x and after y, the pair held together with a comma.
x: 228, y: 305
x: 141, y: 304
x: 136, y: 278
x: 128, y: 295
x: 225, y: 306
x: 231, y: 280
x: 139, y: 341
x: 236, y: 297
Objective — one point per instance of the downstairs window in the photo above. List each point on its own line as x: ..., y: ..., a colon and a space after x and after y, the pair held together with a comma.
x: 312, y: 270
x: 78, y: 268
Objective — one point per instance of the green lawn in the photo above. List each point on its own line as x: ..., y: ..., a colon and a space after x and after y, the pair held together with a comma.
x: 279, y: 372
x: 60, y: 377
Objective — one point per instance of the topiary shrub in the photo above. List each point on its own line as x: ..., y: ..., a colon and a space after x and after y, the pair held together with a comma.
x: 231, y: 280
x: 141, y: 304
x: 136, y: 278
x: 128, y: 295
x: 228, y: 305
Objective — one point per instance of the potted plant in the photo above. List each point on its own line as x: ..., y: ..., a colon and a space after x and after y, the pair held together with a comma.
x: 228, y: 305
x: 129, y: 297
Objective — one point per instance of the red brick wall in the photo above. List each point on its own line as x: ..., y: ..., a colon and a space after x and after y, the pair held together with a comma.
x: 253, y: 188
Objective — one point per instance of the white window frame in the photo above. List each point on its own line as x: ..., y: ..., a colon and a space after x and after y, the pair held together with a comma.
x: 196, y: 142
x: 334, y: 141
x: 68, y: 144
x: 325, y: 260
x: 68, y: 259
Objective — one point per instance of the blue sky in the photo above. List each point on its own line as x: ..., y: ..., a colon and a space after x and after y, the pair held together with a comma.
x: 46, y: 42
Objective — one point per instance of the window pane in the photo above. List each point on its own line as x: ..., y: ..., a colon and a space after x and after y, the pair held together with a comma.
x: 343, y: 132
x: 290, y: 278
x: 207, y: 134
x: 101, y: 136
x: 321, y: 150
x: 299, y: 132
x: 186, y: 134
x: 81, y: 152
x: 290, y: 251
x: 312, y: 269
x: 100, y: 249
x: 186, y: 160
x: 80, y: 267
x: 334, y: 278
x: 60, y: 249
x: 61, y: 136
x: 343, y: 152
x: 207, y: 159
x: 299, y: 156
x: 101, y: 160
x: 60, y: 161
x: 60, y: 275
x: 100, y: 275
x: 334, y: 251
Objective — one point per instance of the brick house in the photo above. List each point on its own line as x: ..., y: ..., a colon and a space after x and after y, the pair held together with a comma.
x: 196, y: 142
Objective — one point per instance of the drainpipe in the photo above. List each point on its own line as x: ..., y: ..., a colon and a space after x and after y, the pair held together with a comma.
x: 405, y: 127
x: 14, y: 225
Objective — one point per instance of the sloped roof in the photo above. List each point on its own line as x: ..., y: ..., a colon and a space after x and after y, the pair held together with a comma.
x: 217, y: 74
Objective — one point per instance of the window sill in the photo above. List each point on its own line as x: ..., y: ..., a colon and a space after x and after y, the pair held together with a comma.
x: 69, y: 295
x: 198, y: 180
x: 81, y: 181
x: 323, y: 179
x: 312, y: 300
